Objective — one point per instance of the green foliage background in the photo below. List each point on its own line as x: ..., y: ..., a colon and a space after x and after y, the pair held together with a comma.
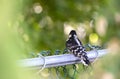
x: 23, y: 30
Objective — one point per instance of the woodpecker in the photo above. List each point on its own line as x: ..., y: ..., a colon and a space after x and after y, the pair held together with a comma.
x: 74, y: 45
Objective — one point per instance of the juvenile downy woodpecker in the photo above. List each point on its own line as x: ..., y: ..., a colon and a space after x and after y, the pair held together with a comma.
x: 74, y: 45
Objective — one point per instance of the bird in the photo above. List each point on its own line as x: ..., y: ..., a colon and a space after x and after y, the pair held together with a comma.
x: 74, y: 45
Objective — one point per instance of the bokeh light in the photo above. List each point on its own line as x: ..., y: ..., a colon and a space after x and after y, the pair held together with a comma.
x: 81, y: 30
x: 37, y: 8
x: 101, y: 25
x: 93, y: 38
x: 107, y: 75
x: 67, y: 28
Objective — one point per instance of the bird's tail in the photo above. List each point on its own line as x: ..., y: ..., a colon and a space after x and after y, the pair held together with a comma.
x: 86, y: 61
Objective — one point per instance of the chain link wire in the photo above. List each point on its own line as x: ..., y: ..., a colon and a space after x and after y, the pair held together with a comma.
x: 68, y: 71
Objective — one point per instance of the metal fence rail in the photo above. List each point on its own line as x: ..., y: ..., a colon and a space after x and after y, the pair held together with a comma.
x: 59, y: 60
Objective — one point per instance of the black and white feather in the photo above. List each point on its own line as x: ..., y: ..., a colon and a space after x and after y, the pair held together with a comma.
x: 74, y: 45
